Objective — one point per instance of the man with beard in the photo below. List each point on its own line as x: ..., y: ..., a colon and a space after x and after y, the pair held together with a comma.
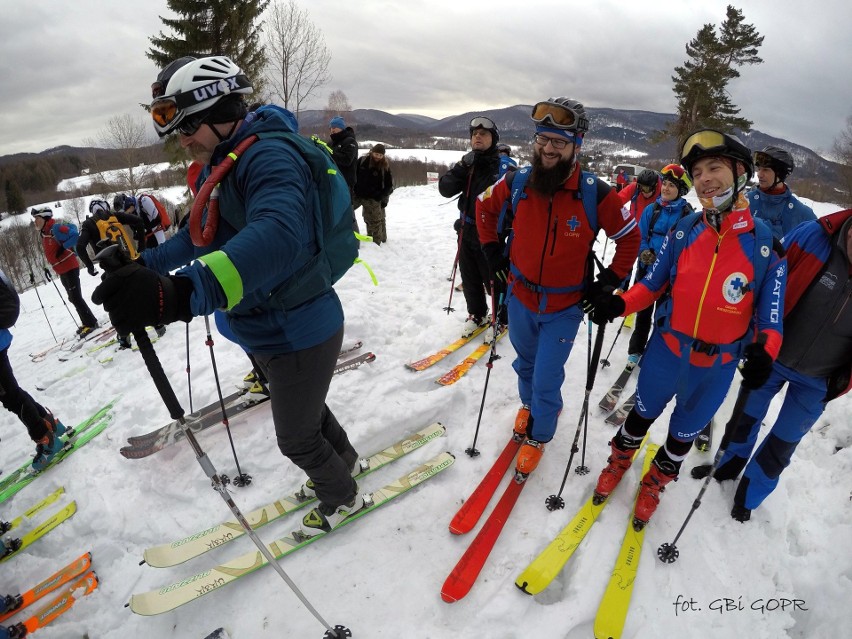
x: 548, y: 266
x: 470, y: 176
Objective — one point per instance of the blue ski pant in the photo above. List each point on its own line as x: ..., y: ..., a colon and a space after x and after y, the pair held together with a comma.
x: 698, y: 397
x: 803, y: 404
x: 543, y: 342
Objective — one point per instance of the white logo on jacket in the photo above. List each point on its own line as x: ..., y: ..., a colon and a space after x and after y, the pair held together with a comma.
x: 732, y: 289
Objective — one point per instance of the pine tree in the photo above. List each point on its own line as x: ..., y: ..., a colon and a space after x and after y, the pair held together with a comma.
x: 701, y: 84
x: 14, y: 198
x: 211, y: 27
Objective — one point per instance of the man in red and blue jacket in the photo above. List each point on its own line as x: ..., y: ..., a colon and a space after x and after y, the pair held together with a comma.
x: 547, y: 267
x: 815, y: 360
x: 717, y: 301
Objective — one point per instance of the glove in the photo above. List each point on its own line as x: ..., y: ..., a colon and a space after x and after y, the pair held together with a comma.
x: 498, y: 263
x: 757, y: 366
x: 457, y: 225
x: 92, y: 271
x: 385, y: 202
x: 606, y: 279
x: 647, y: 257
x: 605, y: 307
x: 136, y: 297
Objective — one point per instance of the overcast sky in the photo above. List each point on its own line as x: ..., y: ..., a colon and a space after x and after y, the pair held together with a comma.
x: 67, y: 68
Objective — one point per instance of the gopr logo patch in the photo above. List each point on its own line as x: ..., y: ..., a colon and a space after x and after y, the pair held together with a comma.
x: 732, y: 289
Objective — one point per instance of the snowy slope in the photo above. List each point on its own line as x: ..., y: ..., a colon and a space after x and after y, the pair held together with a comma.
x: 382, y: 575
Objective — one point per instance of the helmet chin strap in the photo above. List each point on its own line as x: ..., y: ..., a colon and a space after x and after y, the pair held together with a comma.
x: 221, y: 137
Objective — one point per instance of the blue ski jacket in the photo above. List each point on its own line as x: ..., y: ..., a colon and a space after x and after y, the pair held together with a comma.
x: 782, y: 212
x: 255, y: 250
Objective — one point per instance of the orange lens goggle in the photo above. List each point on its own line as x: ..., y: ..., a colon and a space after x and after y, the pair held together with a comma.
x: 559, y: 115
x: 164, y: 112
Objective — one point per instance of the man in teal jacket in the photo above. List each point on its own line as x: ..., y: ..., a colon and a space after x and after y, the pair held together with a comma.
x: 264, y: 235
x: 773, y: 201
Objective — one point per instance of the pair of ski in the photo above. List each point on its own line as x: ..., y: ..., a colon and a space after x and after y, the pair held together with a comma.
x: 65, y: 587
x: 460, y: 581
x: 73, y: 439
x: 704, y: 441
x: 459, y: 370
x: 98, y: 334
x: 15, y: 545
x: 170, y: 597
x: 237, y: 403
x: 613, y: 609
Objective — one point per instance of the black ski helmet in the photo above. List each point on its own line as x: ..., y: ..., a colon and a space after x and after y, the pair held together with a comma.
x: 487, y: 124
x: 648, y: 178
x: 710, y: 142
x: 118, y: 202
x: 777, y: 159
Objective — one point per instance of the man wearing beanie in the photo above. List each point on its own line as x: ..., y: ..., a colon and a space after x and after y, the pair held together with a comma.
x: 344, y: 150
x: 549, y: 267
x: 373, y: 187
x: 469, y: 177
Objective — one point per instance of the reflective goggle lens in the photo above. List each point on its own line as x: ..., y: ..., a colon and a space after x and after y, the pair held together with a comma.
x: 704, y: 141
x: 674, y: 170
x: 164, y: 112
x: 481, y: 122
x: 559, y: 115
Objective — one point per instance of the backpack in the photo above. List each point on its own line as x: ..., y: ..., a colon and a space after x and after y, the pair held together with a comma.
x: 336, y: 242
x: 165, y: 220
x: 10, y: 304
x: 113, y: 231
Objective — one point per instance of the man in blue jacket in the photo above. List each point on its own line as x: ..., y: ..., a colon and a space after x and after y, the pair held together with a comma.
x: 773, y: 201
x: 245, y: 264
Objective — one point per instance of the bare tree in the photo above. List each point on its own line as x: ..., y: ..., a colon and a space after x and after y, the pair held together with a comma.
x: 338, y: 104
x: 297, y: 54
x: 128, y: 136
x: 843, y: 151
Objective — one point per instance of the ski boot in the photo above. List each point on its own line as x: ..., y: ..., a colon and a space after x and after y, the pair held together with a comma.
x: 123, y: 342
x: 653, y: 483
x: 325, y: 518
x: 523, y: 424
x: 623, y: 451
x: 9, y: 547
x: 740, y: 513
x: 473, y: 323
x: 308, y: 489
x: 160, y: 330
x: 257, y: 392
x: 250, y: 380
x: 49, y: 445
x: 528, y: 458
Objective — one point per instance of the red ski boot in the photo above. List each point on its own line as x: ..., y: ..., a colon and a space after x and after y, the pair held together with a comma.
x: 618, y: 463
x: 653, y: 483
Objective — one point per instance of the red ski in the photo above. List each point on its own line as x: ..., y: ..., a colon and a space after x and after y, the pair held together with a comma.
x: 463, y: 576
x: 472, y: 509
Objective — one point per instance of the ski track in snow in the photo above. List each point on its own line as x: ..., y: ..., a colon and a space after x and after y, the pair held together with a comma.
x: 382, y: 575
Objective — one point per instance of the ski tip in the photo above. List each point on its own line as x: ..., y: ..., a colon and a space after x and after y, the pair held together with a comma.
x: 449, y: 598
x: 523, y: 587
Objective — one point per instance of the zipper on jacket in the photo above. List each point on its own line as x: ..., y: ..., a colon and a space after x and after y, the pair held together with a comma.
x: 706, y: 285
x: 544, y: 247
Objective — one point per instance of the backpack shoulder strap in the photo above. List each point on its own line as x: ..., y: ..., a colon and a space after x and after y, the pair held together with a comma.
x: 589, y: 194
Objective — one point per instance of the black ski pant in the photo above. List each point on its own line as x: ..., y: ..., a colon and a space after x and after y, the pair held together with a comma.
x: 641, y: 330
x: 16, y: 400
x: 71, y: 282
x: 308, y: 432
x: 475, y: 276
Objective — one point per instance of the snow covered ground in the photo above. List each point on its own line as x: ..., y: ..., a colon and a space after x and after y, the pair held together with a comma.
x: 382, y: 575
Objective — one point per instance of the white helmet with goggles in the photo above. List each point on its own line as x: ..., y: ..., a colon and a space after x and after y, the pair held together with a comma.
x: 187, y: 90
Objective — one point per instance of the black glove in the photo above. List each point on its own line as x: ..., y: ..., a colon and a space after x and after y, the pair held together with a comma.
x: 606, y: 278
x: 756, y: 367
x: 457, y: 225
x: 498, y: 263
x: 605, y: 307
x: 468, y: 159
x: 136, y: 297
x: 92, y: 271
x: 647, y: 257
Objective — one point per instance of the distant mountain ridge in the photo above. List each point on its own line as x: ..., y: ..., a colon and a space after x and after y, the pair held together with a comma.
x: 611, y: 131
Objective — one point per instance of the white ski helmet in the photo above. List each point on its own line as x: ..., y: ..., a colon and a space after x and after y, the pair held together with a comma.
x: 192, y: 87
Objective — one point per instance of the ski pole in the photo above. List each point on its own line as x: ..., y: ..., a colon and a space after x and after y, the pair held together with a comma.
x: 668, y: 552
x: 112, y: 259
x: 48, y: 277
x: 188, y: 375
x: 555, y: 502
x: 582, y: 469
x: 43, y: 310
x: 472, y: 452
x: 449, y: 307
x: 605, y: 361
x: 242, y: 479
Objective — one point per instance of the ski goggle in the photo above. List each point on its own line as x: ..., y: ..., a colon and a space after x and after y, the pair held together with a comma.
x: 706, y: 141
x: 481, y: 122
x: 676, y: 173
x: 165, y: 112
x: 560, y: 116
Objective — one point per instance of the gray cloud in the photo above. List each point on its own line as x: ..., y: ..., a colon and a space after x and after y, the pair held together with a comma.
x: 67, y: 68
